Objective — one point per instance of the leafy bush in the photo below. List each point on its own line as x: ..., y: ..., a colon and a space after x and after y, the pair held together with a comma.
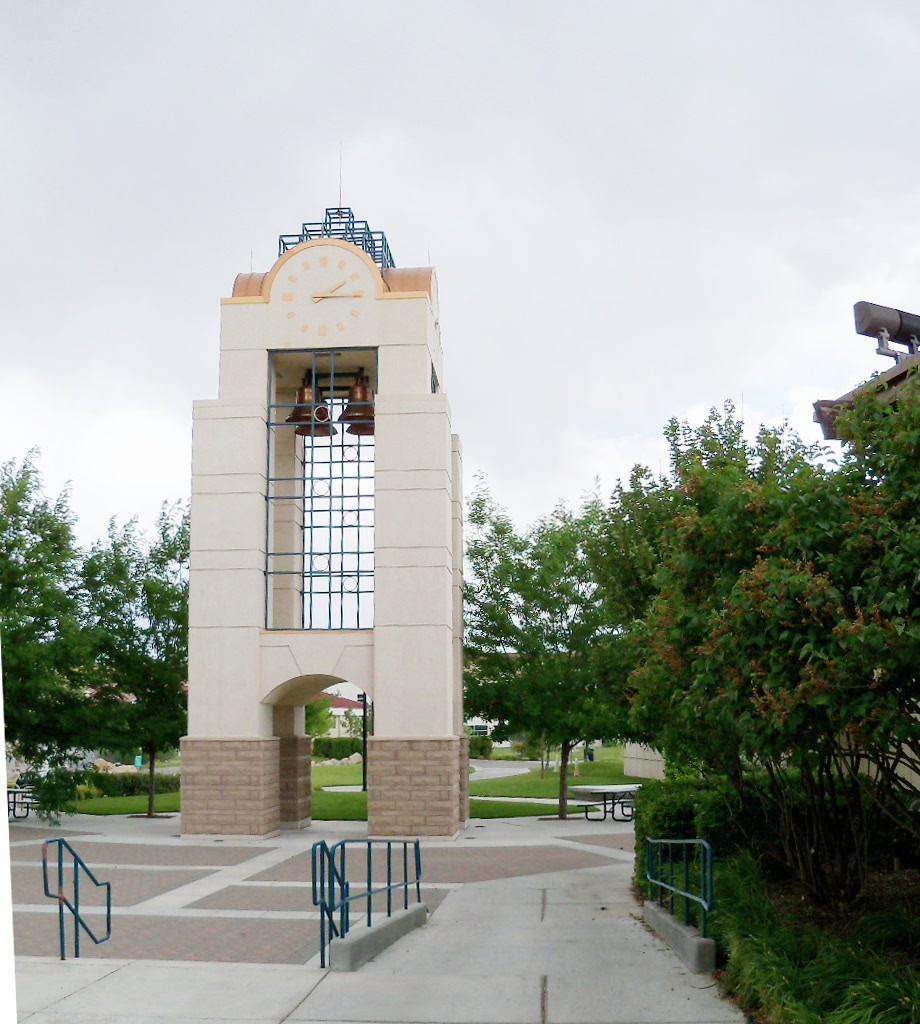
x: 336, y: 746
x: 793, y: 973
x: 890, y: 929
x: 132, y: 784
x: 529, y: 749
x: 481, y: 746
x: 53, y: 790
x: 664, y: 810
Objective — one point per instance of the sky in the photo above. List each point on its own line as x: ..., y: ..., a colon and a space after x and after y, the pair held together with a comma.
x: 636, y: 211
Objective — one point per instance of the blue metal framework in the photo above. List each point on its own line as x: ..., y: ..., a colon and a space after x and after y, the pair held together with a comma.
x: 74, y: 905
x: 340, y: 222
x: 333, y: 491
x: 695, y: 860
x: 332, y: 889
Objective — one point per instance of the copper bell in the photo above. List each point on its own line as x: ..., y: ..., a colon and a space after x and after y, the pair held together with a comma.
x: 359, y: 413
x: 311, y: 414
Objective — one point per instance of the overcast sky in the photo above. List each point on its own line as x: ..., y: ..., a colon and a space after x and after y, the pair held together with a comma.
x: 636, y: 211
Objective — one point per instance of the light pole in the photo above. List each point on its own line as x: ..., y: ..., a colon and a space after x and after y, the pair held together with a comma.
x: 363, y: 699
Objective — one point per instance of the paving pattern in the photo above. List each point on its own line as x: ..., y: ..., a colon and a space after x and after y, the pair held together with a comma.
x: 238, y: 901
x: 533, y: 921
x: 130, y: 885
x: 461, y: 864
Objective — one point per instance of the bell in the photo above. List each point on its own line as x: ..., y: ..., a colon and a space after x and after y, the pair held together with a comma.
x: 359, y: 413
x: 311, y: 414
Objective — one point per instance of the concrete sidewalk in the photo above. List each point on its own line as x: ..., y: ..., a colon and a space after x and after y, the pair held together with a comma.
x: 552, y: 946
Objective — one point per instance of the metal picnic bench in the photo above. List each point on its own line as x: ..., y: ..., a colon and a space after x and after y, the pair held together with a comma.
x: 20, y: 800
x: 610, y: 798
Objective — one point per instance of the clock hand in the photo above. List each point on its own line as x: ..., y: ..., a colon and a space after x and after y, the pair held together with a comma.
x: 339, y: 295
x: 329, y: 294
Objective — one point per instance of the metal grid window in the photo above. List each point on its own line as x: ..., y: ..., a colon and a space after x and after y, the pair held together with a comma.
x: 320, y: 500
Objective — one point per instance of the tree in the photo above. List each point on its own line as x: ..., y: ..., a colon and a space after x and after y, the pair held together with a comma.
x: 318, y: 716
x: 138, y: 621
x: 532, y: 615
x: 729, y: 492
x: 625, y: 546
x: 46, y: 657
x: 781, y: 647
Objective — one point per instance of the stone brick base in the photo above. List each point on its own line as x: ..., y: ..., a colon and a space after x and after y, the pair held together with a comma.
x: 296, y: 798
x: 413, y: 787
x: 230, y: 787
x: 464, y: 780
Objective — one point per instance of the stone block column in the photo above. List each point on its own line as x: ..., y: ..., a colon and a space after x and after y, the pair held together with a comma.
x: 464, y: 777
x: 296, y: 797
x: 413, y: 787
x: 230, y: 787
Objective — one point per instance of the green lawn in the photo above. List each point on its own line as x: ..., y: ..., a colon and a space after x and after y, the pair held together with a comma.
x: 326, y: 806
x: 164, y: 803
x: 604, y: 773
x: 336, y: 775
x: 353, y: 806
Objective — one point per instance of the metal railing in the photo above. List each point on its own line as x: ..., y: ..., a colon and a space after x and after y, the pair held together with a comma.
x: 74, y: 905
x: 332, y: 890
x: 660, y: 872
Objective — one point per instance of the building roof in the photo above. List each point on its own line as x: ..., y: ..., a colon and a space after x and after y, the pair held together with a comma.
x: 345, y: 704
x: 885, y: 385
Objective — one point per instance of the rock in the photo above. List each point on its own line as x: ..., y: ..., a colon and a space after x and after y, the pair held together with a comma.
x: 355, y: 758
x: 101, y: 765
x: 123, y: 769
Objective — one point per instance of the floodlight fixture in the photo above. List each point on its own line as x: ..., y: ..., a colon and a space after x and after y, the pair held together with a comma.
x: 888, y: 325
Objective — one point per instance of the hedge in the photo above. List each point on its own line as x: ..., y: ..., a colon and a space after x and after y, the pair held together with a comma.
x: 132, y: 784
x: 481, y: 747
x: 327, y: 747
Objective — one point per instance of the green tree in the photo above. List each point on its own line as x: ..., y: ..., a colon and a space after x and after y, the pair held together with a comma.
x: 354, y: 723
x: 48, y: 713
x: 624, y: 543
x: 532, y: 616
x: 729, y: 493
x: 138, y: 622
x: 781, y: 647
x: 318, y: 716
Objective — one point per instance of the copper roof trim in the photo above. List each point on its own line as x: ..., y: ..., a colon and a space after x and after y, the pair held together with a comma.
x: 409, y: 279
x: 248, y: 285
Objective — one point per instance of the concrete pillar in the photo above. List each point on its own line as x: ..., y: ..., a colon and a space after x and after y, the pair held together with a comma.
x: 413, y: 786
x: 286, y: 528
x: 231, y: 787
x: 294, y: 751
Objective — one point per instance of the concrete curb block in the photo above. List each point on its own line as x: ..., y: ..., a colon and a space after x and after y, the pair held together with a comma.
x: 362, y: 943
x: 698, y: 954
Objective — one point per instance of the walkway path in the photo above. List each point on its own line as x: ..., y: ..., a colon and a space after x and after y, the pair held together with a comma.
x: 533, y: 921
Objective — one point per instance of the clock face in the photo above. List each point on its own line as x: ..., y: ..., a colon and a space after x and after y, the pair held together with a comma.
x: 324, y: 290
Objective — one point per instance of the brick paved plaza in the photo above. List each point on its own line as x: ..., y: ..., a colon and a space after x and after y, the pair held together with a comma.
x: 532, y: 921
x: 241, y: 900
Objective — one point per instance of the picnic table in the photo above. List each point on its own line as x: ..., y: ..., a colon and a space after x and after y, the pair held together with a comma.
x: 20, y: 800
x: 610, y: 798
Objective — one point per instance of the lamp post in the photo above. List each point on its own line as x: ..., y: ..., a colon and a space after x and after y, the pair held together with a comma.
x: 363, y: 699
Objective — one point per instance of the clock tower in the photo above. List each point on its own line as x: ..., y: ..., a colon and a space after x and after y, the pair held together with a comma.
x: 326, y: 542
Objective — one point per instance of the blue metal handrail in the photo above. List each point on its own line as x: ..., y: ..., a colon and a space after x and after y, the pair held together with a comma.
x: 703, y: 897
x: 74, y: 906
x: 328, y: 863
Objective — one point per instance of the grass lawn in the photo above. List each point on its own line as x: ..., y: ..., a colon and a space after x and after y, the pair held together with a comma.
x: 353, y: 806
x: 336, y: 775
x: 164, y: 803
x: 601, y: 773
x: 482, y: 808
